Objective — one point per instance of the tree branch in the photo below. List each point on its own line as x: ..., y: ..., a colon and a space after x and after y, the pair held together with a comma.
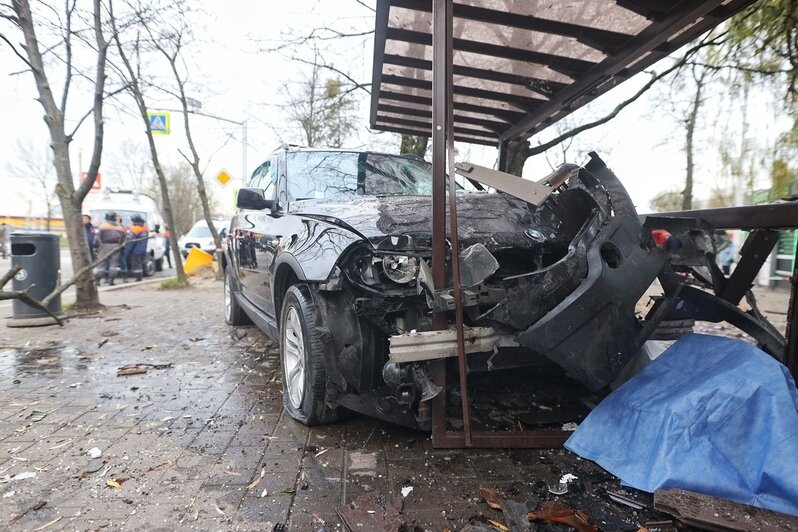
x: 621, y: 106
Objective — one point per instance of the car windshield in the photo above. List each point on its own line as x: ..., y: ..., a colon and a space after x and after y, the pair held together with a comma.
x: 200, y: 231
x: 324, y: 174
x: 98, y: 216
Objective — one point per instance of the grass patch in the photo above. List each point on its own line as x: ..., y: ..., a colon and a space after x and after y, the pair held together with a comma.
x: 173, y: 283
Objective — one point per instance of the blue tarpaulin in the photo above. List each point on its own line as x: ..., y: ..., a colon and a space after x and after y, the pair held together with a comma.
x: 712, y: 415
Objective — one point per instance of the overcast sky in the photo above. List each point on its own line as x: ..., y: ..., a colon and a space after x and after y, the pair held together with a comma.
x: 234, y: 78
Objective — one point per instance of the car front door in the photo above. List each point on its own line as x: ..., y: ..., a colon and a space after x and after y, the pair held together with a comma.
x: 254, y: 241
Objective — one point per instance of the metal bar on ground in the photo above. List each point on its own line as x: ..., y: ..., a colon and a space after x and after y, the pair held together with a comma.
x: 753, y: 255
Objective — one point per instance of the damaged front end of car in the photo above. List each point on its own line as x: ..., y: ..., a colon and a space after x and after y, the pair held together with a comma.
x: 557, y: 269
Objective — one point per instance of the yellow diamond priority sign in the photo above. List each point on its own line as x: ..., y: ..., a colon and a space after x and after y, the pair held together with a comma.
x: 223, y: 177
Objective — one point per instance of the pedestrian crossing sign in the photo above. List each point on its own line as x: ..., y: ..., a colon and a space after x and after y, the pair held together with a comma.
x: 159, y: 122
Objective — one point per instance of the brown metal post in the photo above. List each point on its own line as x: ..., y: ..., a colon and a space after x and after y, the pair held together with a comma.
x: 439, y: 95
x: 791, y: 349
x: 753, y: 255
x: 439, y: 106
x: 462, y: 364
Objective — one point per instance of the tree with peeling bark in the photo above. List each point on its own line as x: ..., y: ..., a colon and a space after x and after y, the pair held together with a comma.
x: 132, y: 75
x: 68, y: 25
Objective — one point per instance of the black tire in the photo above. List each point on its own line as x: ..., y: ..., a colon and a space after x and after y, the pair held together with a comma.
x: 234, y: 315
x: 159, y: 265
x: 149, y: 266
x: 310, y: 406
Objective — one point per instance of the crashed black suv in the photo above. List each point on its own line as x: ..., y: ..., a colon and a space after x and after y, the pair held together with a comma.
x: 330, y: 255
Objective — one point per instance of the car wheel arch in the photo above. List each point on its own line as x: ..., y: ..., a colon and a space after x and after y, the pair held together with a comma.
x: 285, y: 276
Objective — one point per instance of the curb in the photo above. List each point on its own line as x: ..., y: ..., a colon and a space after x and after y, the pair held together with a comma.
x: 133, y: 284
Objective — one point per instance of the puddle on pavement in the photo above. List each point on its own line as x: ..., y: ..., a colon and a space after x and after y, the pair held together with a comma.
x: 52, y: 358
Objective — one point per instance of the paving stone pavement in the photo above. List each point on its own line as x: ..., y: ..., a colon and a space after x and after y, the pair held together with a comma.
x: 204, y: 444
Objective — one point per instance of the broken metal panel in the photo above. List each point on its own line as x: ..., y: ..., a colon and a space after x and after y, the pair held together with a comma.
x: 526, y: 190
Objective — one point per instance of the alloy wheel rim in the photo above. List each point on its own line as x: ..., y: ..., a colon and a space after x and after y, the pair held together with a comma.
x: 294, y: 358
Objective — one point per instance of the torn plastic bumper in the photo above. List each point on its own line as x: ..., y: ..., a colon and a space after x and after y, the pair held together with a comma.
x: 591, y: 333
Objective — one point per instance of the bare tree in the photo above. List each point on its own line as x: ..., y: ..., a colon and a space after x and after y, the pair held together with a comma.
x: 37, y: 166
x: 92, y: 36
x: 322, y: 109
x: 182, y: 184
x: 131, y: 165
x: 700, y: 78
x: 170, y: 38
x: 133, y: 78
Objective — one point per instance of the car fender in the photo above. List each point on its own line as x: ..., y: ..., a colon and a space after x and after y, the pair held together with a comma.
x: 314, y: 249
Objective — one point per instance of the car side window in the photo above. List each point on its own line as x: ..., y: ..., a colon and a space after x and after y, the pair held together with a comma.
x: 265, y: 177
x: 269, y: 183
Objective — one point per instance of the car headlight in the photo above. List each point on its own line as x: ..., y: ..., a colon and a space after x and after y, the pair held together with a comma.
x: 400, y: 269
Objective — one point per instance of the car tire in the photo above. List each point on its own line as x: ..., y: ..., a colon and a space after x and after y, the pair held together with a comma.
x: 234, y: 315
x: 302, y: 360
x: 149, y: 266
x: 159, y: 265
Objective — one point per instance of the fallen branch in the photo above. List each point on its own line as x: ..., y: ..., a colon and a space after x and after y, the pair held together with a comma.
x: 81, y: 272
x: 25, y: 297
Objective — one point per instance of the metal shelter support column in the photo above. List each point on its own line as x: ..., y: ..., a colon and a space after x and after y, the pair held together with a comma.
x: 791, y: 349
x: 443, y: 165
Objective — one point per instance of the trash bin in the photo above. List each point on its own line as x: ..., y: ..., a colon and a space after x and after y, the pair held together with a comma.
x: 39, y: 255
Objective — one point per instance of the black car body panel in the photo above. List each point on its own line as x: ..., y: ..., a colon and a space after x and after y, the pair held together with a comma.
x: 562, y: 278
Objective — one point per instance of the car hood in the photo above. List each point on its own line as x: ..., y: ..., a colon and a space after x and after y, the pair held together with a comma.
x: 495, y: 220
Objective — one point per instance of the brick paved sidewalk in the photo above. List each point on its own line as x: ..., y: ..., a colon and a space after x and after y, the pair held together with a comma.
x: 204, y: 444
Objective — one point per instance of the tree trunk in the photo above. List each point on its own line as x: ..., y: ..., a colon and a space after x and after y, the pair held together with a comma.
x: 86, y: 289
x: 517, y: 153
x: 689, y: 148
x: 416, y: 145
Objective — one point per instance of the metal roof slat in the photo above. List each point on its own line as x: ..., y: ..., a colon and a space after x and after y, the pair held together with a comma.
x: 543, y: 86
x: 569, y: 66
x: 524, y: 103
x: 501, y: 113
x: 487, y: 124
x: 604, y: 40
x: 602, y: 79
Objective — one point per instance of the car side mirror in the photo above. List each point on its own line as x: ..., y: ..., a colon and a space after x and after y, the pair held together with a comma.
x: 157, y: 228
x: 253, y: 199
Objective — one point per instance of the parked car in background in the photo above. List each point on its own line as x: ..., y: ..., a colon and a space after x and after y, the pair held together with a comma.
x: 200, y: 236
x: 126, y: 204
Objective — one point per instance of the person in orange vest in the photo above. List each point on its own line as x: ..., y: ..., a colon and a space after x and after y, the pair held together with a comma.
x: 136, y: 247
x: 110, y: 235
x: 167, y: 242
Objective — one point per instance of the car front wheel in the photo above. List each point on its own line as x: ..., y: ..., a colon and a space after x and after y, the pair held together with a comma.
x: 302, y: 360
x: 233, y: 313
x: 149, y: 266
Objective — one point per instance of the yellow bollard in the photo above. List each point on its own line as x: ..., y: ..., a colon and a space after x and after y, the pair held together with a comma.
x: 196, y: 260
